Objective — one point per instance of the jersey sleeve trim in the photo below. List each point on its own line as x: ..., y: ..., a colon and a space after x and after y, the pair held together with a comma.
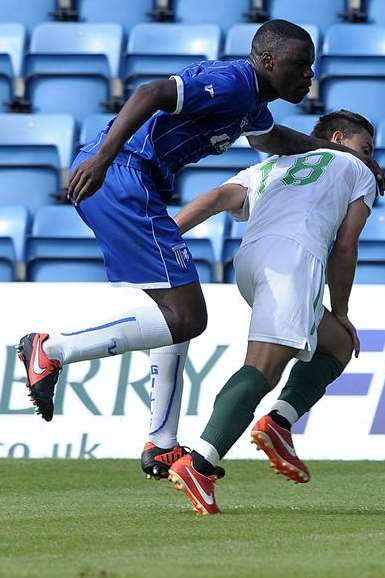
x: 180, y: 94
x: 258, y: 132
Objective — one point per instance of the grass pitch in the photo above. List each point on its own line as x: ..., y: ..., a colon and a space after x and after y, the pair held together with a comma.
x: 102, y: 519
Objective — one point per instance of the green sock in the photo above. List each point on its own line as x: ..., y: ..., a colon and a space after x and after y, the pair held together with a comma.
x: 234, y: 408
x: 308, y: 381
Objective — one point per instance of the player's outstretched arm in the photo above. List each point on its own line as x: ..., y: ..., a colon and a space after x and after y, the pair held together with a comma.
x: 228, y: 197
x: 342, y: 265
x: 147, y: 99
x: 282, y: 140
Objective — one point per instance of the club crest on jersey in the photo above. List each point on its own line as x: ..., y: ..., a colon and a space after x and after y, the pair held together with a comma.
x: 220, y: 142
x: 210, y: 89
x: 182, y: 255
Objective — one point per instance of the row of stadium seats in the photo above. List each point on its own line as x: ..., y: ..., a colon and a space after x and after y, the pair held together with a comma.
x: 36, y: 151
x: 60, y: 247
x: 225, y: 13
x: 80, y: 68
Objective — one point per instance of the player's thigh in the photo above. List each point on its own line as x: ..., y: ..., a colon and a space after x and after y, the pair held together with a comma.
x: 269, y: 358
x: 184, y: 309
x: 334, y: 338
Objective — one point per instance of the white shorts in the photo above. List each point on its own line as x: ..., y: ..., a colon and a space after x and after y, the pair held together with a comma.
x: 284, y: 285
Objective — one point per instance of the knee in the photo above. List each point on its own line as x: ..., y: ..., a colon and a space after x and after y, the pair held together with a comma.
x: 185, y: 324
x: 344, y: 351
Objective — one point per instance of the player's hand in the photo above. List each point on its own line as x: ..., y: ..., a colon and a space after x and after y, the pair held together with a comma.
x: 345, y: 321
x: 378, y: 173
x: 87, y: 178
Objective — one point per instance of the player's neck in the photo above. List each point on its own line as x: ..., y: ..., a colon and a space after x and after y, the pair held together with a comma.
x: 265, y: 90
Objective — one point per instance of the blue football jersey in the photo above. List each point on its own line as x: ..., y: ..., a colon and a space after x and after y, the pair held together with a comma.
x: 216, y: 103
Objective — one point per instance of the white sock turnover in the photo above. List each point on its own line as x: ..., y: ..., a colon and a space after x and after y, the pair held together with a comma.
x: 208, y: 451
x: 285, y: 410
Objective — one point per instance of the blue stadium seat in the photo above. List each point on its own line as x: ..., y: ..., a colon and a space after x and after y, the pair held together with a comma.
x: 301, y: 122
x: 12, y: 46
x: 363, y: 95
x: 63, y: 248
x: 280, y: 109
x: 320, y: 13
x: 370, y: 273
x: 35, y: 152
x: 372, y: 238
x: 357, y: 50
x: 380, y: 143
x: 214, y: 229
x: 237, y: 229
x: 230, y: 248
x: 376, y: 11
x: 196, y: 179
x: 127, y: 13
x: 224, y: 13
x: 202, y: 252
x: 92, y: 125
x: 70, y: 67
x: 24, y: 12
x: 14, y: 222
x: 353, y: 67
x: 60, y: 221
x: 159, y: 50
x: 65, y: 269
x: 7, y: 260
x: 371, y: 251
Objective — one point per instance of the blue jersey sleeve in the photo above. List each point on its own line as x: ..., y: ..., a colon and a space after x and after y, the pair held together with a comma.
x: 261, y: 122
x: 219, y: 89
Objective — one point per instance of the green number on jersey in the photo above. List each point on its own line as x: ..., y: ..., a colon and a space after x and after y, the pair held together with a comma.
x: 265, y: 170
x: 303, y: 172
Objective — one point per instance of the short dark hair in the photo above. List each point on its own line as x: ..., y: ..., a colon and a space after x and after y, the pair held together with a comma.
x: 347, y: 122
x: 273, y: 34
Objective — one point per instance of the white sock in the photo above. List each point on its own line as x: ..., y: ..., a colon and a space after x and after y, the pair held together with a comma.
x: 285, y: 410
x: 167, y: 365
x: 208, y: 451
x: 138, y: 329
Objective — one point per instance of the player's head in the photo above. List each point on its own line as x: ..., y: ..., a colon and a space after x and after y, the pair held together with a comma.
x: 347, y: 128
x: 283, y: 54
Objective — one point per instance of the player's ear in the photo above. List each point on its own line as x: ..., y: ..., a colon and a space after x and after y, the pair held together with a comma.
x: 267, y: 60
x: 337, y: 136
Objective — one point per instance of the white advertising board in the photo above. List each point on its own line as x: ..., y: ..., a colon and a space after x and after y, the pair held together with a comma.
x: 102, y: 406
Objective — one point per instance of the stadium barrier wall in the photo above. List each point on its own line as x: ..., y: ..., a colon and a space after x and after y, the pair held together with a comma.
x: 102, y: 405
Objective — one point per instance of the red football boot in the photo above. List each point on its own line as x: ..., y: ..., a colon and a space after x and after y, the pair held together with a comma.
x: 198, y: 488
x: 277, y: 444
x: 42, y: 372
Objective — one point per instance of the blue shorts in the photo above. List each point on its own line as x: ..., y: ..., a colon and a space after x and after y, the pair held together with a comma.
x: 141, y: 243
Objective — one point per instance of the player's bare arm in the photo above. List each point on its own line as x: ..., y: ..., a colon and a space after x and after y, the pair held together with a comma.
x: 282, y: 140
x: 228, y: 197
x: 342, y: 264
x: 147, y: 99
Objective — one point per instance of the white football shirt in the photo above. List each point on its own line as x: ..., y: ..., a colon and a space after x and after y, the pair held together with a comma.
x: 303, y: 197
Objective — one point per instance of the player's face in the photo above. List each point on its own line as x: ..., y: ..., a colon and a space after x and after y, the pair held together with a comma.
x: 361, y: 142
x: 292, y: 70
